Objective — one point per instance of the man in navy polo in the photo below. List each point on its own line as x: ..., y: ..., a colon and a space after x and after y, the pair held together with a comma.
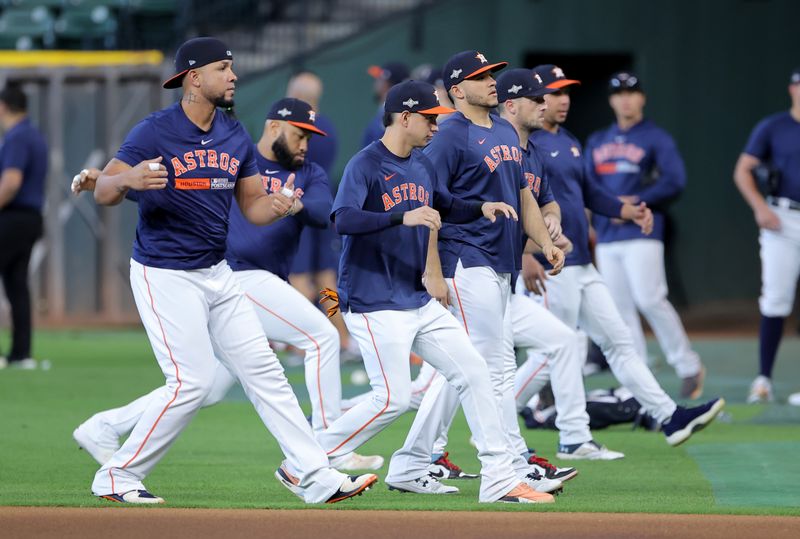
x: 23, y: 168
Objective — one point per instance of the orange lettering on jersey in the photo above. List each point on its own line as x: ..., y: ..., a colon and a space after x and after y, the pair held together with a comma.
x: 506, y: 152
x: 191, y: 164
x: 201, y: 156
x: 265, y: 182
x: 192, y: 184
x: 177, y: 166
x: 516, y: 154
x: 490, y: 163
x: 275, y: 184
x: 234, y: 168
x: 412, y: 191
x: 404, y: 188
x: 212, y: 158
x: 224, y: 159
x: 387, y: 202
x: 396, y: 194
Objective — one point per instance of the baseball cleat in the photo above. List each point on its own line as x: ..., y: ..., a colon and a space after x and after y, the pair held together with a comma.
x: 590, y: 450
x: 692, y: 386
x: 443, y: 468
x: 422, y: 485
x: 537, y: 480
x: 289, y: 481
x: 353, y: 485
x: 354, y: 461
x: 96, y: 439
x: 522, y: 493
x: 760, y: 391
x: 141, y: 497
x: 686, y: 421
x: 551, y: 471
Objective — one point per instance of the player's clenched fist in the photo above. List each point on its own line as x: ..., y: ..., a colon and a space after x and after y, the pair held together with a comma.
x: 491, y: 210
x: 423, y: 216
x: 85, y: 180
x: 639, y: 214
x: 555, y: 256
x: 553, y: 224
x: 148, y: 175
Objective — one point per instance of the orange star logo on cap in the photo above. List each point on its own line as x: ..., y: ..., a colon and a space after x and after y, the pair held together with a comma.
x: 481, y: 57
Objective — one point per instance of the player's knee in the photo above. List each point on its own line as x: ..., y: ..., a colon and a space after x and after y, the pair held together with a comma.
x: 775, y: 306
x: 398, y: 403
x: 650, y: 304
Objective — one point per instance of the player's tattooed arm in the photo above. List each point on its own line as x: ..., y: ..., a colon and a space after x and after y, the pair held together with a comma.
x: 260, y: 208
x: 535, y: 228
x: 118, y: 177
x: 432, y: 278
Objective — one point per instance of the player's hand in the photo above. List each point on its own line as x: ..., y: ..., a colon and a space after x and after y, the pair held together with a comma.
x: 629, y: 199
x: 85, y: 180
x: 555, y: 256
x: 767, y: 219
x: 639, y: 214
x: 437, y: 288
x: 492, y: 209
x: 553, y: 224
x: 423, y: 216
x: 533, y: 275
x: 148, y: 175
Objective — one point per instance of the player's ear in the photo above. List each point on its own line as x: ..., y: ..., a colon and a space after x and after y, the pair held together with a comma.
x: 456, y: 92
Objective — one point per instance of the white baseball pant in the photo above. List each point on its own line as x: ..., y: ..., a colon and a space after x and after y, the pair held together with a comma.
x: 579, y: 297
x: 419, y: 386
x: 780, y: 264
x: 386, y: 338
x: 286, y: 316
x: 634, y: 273
x: 480, y: 300
x: 193, y: 318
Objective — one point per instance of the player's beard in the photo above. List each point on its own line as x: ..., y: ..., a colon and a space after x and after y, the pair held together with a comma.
x: 285, y: 158
x: 488, y: 102
x: 223, y: 103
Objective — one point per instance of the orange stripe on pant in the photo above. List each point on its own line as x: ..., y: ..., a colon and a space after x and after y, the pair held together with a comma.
x: 316, y: 345
x: 460, y: 307
x: 530, y: 378
x: 177, y: 389
x: 385, y: 382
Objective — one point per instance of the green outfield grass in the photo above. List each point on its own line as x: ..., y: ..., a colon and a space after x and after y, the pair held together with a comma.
x: 744, y: 463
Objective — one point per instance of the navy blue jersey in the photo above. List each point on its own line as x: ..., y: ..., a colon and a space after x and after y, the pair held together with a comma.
x: 477, y: 163
x: 642, y: 161
x: 322, y: 150
x: 383, y: 270
x: 273, y: 247
x: 776, y: 140
x: 563, y: 160
x: 374, y: 129
x: 24, y: 148
x: 535, y: 175
x: 185, y: 225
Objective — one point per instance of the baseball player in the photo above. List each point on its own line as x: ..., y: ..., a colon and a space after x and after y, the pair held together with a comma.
x: 186, y: 163
x: 260, y: 258
x: 772, y: 154
x: 521, y: 99
x: 386, y: 209
x: 522, y: 104
x: 478, y: 157
x: 578, y: 295
x: 638, y: 161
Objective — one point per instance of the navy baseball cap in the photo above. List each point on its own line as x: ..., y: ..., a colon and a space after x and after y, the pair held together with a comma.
x: 553, y: 76
x: 393, y: 72
x: 520, y: 83
x: 466, y: 65
x: 414, y: 96
x: 296, y: 112
x: 624, y: 81
x: 195, y: 53
x: 794, y: 78
x: 427, y: 72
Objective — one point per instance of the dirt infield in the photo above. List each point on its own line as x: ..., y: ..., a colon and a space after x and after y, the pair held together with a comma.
x: 139, y: 523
